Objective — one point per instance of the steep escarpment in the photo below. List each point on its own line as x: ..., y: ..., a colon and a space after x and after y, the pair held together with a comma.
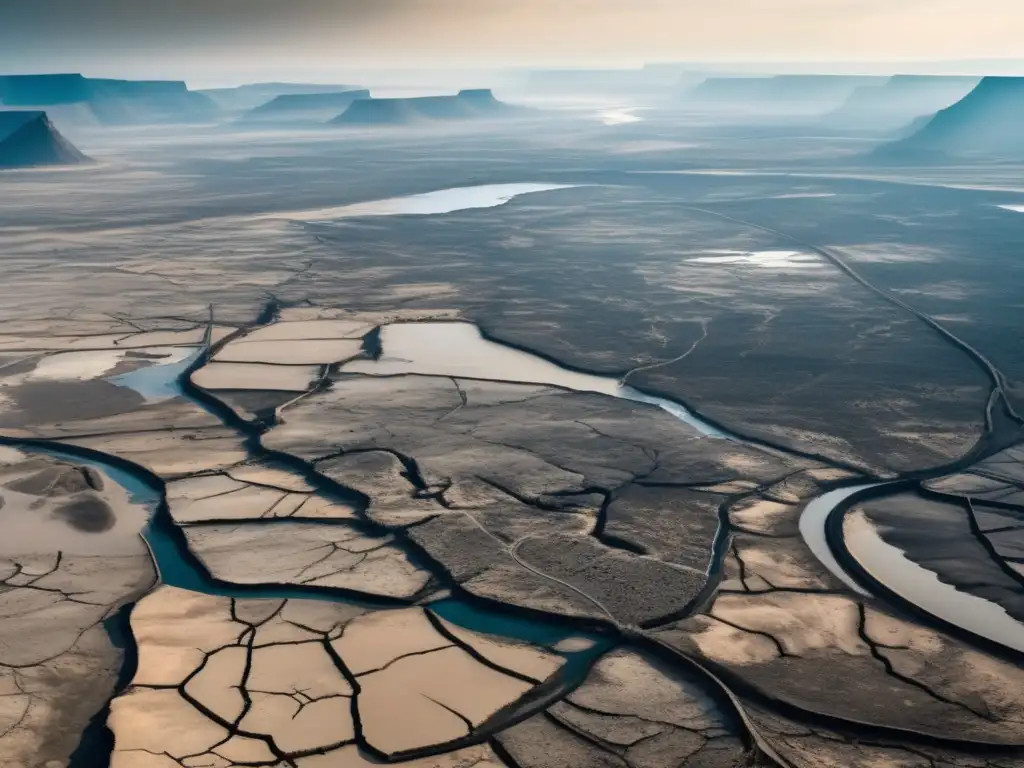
x: 32, y: 90
x: 781, y: 93
x: 465, y: 105
x: 108, y: 101
x: 899, y: 100
x: 987, y: 122
x: 29, y: 139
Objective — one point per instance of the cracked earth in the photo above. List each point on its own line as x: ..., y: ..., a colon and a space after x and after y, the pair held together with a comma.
x: 446, y: 572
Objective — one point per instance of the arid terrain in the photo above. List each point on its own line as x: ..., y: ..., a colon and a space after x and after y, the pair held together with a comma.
x: 555, y: 442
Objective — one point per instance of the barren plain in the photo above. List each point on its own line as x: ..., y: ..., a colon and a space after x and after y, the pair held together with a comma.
x: 658, y: 461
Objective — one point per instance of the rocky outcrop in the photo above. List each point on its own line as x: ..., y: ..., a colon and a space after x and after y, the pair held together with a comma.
x: 466, y: 105
x: 987, y: 122
x: 29, y: 139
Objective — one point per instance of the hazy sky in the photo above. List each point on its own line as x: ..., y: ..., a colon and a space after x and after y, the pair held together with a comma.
x: 213, y: 41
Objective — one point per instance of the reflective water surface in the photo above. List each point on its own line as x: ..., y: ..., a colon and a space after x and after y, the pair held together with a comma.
x: 812, y: 528
x: 159, y: 381
x: 460, y: 350
x: 921, y: 587
x: 428, y: 203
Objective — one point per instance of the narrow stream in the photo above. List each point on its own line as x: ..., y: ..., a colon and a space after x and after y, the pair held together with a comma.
x: 177, y: 567
x: 458, y: 349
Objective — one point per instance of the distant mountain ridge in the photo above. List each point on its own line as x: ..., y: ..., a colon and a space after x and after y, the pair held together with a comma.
x: 899, y: 100
x: 472, y: 104
x: 300, y: 106
x: 988, y: 122
x: 252, y: 95
x: 107, y: 100
x: 28, y: 139
x: 805, y: 93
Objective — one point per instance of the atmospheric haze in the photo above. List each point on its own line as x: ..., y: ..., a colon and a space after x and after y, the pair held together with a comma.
x: 229, y: 41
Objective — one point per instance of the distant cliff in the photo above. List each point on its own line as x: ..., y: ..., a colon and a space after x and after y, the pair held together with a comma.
x: 466, y: 105
x: 988, y: 121
x: 43, y: 90
x: 108, y: 100
x: 304, y: 106
x: 149, y: 107
x: 780, y: 93
x: 245, y: 97
x: 29, y: 139
x: 899, y: 100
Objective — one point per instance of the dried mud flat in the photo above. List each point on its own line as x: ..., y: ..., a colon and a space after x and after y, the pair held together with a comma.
x: 253, y: 535
x: 326, y: 551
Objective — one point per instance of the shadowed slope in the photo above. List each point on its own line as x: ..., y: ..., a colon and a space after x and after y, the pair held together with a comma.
x: 899, y: 100
x: 29, y: 139
x: 989, y: 121
x: 108, y: 101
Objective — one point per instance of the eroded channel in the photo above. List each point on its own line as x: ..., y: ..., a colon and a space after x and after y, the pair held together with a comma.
x: 179, y: 569
x: 448, y: 349
x: 459, y: 349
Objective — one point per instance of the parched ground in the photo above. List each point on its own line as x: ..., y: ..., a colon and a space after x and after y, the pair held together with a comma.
x: 333, y: 531
x: 70, y: 558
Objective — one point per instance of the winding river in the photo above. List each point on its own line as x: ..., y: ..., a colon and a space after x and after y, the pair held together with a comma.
x: 922, y: 588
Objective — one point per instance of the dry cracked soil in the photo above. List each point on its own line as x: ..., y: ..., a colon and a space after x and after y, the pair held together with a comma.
x: 598, y: 512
